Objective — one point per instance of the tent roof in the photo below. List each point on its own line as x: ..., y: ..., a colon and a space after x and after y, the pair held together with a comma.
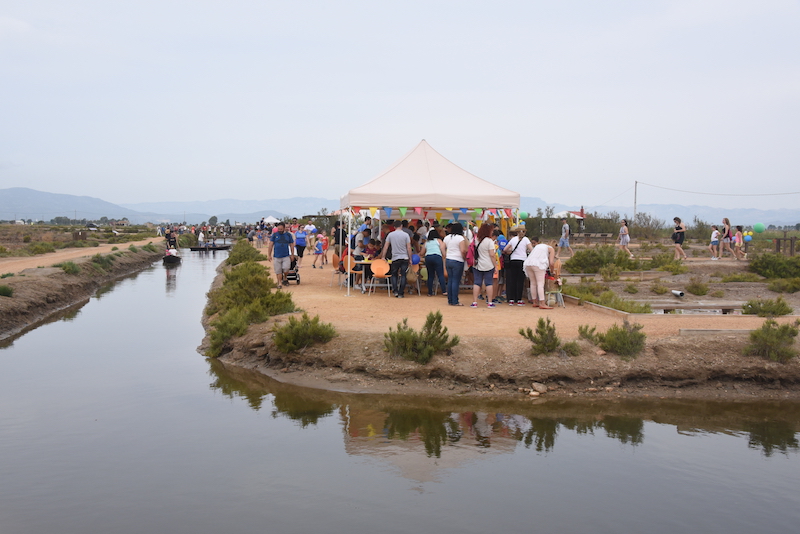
x: 424, y: 178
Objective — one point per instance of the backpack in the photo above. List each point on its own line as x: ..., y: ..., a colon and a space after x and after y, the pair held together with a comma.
x: 472, y: 253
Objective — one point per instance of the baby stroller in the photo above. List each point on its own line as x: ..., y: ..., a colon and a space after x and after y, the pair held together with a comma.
x: 293, y: 274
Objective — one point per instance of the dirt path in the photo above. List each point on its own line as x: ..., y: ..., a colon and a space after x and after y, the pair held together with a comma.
x: 17, y: 265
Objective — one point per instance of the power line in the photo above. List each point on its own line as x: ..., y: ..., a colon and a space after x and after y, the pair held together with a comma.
x: 616, y: 197
x: 721, y: 194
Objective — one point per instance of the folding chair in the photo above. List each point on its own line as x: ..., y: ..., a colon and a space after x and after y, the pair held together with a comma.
x: 336, y: 272
x: 380, y: 272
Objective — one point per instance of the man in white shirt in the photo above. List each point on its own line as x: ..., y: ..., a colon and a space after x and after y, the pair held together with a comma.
x: 400, y: 244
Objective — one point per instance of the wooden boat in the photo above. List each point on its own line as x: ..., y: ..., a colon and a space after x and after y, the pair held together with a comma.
x: 209, y: 248
x: 169, y: 259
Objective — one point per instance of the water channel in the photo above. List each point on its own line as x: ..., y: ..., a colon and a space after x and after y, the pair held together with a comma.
x: 110, y: 421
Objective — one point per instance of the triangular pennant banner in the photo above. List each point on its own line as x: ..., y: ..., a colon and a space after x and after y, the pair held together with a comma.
x: 372, y: 211
x: 402, y: 211
x: 438, y: 216
x: 388, y: 211
x: 464, y: 211
x: 356, y: 209
x: 418, y: 211
x: 508, y: 212
x: 455, y: 216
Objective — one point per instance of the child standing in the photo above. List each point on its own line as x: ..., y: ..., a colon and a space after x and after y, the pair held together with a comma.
x: 318, y: 254
x: 738, y: 243
x: 324, y: 238
x: 714, y: 246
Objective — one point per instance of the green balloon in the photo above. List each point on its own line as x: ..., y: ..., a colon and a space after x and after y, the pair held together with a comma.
x: 523, y: 215
x: 759, y: 227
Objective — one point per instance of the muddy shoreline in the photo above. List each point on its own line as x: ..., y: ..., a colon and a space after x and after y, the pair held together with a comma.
x: 42, y: 293
x: 676, y: 367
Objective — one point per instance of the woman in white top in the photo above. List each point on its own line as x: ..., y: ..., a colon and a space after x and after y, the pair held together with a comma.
x: 455, y: 252
x: 536, y: 264
x: 485, y: 265
x: 625, y: 237
x: 518, y: 247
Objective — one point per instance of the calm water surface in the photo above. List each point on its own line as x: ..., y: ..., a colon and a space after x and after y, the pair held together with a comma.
x: 111, y: 422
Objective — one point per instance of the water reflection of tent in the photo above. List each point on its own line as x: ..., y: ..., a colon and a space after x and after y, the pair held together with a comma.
x: 426, y: 183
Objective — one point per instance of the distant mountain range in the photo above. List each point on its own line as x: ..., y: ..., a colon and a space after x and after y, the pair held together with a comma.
x: 24, y: 203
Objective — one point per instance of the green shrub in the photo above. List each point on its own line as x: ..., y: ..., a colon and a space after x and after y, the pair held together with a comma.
x: 626, y: 340
x: 658, y: 287
x: 718, y: 294
x: 544, y: 340
x: 775, y: 266
x: 766, y: 307
x: 606, y: 298
x: 610, y: 273
x: 41, y: 247
x: 242, y: 252
x: 591, y: 260
x: 572, y: 348
x: 590, y: 286
x: 741, y: 277
x: 6, y: 275
x: 249, y: 284
x: 419, y: 346
x: 299, y: 334
x: 696, y: 286
x: 3, y: 249
x: 26, y: 239
x: 114, y: 248
x: 773, y: 342
x: 232, y: 323
x: 784, y: 285
x: 101, y: 262
x: 667, y: 262
x: 133, y: 248
x: 187, y: 240
x: 150, y: 247
x: 589, y: 333
x: 68, y: 267
x: 631, y: 288
x: 6, y: 291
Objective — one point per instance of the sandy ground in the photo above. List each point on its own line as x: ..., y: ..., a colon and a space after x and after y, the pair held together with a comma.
x: 17, y: 265
x: 377, y: 312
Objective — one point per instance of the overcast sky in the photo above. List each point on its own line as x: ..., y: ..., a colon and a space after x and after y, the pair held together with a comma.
x: 569, y: 101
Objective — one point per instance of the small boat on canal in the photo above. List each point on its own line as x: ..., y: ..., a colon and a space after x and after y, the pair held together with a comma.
x: 209, y: 247
x: 171, y: 257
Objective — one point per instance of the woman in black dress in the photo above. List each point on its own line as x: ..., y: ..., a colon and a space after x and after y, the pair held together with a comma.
x: 678, y: 236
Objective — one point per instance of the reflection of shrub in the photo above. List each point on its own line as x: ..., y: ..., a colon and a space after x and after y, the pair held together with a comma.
x: 696, y: 286
x: 766, y: 307
x: 741, y: 277
x: 419, y: 346
x: 299, y: 334
x: 775, y: 266
x: 773, y: 342
x: 784, y: 285
x: 626, y: 340
x: 6, y: 291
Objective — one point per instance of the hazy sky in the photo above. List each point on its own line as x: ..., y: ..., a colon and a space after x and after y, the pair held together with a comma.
x: 569, y: 101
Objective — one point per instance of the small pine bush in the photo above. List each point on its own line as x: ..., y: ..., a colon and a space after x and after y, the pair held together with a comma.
x: 68, y: 267
x: 6, y: 275
x: 544, y: 340
x: 114, y: 248
x: 589, y: 333
x: 773, y: 341
x: 659, y: 288
x: 718, y: 294
x: 626, y: 340
x: 741, y: 277
x: 591, y: 260
x: 610, y: 273
x: 608, y: 299
x: 133, y: 248
x: 150, y: 247
x: 775, y: 266
x: 572, y: 348
x: 667, y: 262
x: 767, y: 307
x: 299, y: 334
x: 101, y: 262
x: 228, y: 325
x: 696, y: 286
x: 784, y: 285
x: 6, y: 291
x: 631, y: 288
x: 420, y: 347
x: 41, y: 248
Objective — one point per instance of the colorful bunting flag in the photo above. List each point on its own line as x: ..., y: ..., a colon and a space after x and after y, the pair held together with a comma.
x: 372, y: 211
x: 464, y: 211
x: 402, y: 211
x: 388, y: 211
x: 418, y: 211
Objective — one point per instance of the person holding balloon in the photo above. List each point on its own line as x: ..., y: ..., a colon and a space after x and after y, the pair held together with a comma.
x: 738, y: 243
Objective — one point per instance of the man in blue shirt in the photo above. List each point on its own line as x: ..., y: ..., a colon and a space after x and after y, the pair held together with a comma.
x: 282, y: 243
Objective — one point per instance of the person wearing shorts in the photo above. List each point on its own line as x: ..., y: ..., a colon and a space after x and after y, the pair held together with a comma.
x: 281, y: 248
x: 563, y: 243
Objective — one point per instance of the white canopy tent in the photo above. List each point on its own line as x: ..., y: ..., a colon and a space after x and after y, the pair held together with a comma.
x: 271, y: 220
x: 423, y: 184
x: 430, y: 186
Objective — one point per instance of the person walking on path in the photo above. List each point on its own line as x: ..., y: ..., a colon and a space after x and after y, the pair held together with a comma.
x: 714, y: 245
x: 541, y: 257
x: 281, y: 247
x: 485, y: 265
x: 677, y: 237
x: 727, y: 237
x: 456, y: 247
x: 400, y: 244
x: 564, y: 241
x: 625, y: 237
